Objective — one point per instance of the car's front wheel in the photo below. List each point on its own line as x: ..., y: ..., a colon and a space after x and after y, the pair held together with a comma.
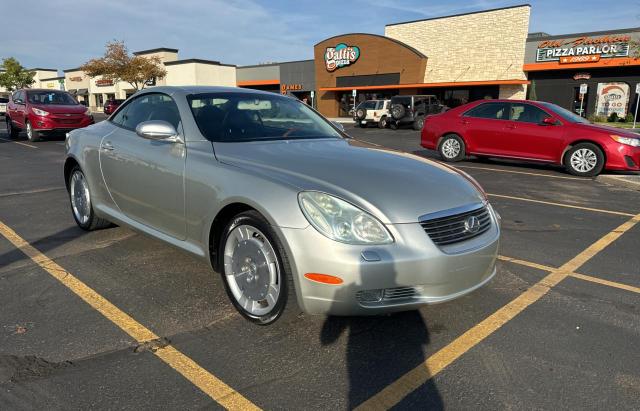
x: 452, y: 148
x: 383, y: 122
x: 584, y: 160
x: 256, y: 270
x: 81, y: 205
x: 32, y: 134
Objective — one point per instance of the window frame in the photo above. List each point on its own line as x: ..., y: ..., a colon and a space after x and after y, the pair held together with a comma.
x: 127, y: 103
x: 506, y: 105
x: 530, y: 105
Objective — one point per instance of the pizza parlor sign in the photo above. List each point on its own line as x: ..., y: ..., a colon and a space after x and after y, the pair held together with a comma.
x: 583, y: 49
x: 340, y: 56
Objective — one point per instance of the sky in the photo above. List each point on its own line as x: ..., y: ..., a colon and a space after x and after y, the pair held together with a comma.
x: 64, y: 34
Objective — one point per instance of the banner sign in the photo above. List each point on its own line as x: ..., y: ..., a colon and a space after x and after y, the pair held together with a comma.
x: 340, y: 56
x: 612, y: 98
x: 583, y: 49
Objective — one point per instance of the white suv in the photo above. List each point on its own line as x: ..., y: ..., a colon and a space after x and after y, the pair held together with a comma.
x: 372, y: 112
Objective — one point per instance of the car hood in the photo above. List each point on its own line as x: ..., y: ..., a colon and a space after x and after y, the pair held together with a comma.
x: 610, y: 130
x: 396, y: 187
x: 61, y: 109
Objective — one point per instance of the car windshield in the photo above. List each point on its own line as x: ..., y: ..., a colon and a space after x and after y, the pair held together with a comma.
x: 565, y: 114
x: 51, y: 97
x: 236, y: 117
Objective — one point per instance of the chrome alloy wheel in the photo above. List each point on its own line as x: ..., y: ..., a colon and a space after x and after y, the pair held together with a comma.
x: 451, y: 148
x: 29, y: 131
x: 80, y: 198
x: 583, y: 160
x: 251, y: 269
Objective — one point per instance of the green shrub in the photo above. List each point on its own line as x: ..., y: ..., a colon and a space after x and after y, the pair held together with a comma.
x: 629, y: 118
x: 613, y: 117
x: 594, y: 118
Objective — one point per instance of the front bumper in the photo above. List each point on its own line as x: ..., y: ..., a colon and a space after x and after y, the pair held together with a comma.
x: 623, y: 157
x: 412, y: 271
x: 59, y: 123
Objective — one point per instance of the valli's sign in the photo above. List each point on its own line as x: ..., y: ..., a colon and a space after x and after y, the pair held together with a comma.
x: 340, y: 56
x: 583, y: 49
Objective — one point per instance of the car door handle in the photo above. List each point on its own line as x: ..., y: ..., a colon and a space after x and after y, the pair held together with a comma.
x: 107, y: 146
x: 511, y: 126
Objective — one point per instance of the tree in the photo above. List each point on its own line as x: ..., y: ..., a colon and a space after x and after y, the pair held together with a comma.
x: 15, y: 76
x: 117, y: 65
x: 634, y: 49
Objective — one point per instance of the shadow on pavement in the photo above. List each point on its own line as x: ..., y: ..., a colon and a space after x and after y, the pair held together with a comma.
x: 379, y: 349
x: 43, y: 245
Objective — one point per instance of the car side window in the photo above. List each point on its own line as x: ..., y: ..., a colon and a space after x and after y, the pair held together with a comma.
x: 526, y: 113
x: 496, y: 111
x: 147, y: 107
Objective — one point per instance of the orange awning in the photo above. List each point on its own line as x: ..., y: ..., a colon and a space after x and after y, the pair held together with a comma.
x: 248, y: 83
x: 602, y: 63
x: 425, y: 85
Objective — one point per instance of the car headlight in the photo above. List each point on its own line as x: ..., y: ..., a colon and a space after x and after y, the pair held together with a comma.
x: 341, y: 221
x: 39, y: 112
x: 630, y: 141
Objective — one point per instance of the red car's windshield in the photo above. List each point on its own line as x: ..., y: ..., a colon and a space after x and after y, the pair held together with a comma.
x: 51, y: 97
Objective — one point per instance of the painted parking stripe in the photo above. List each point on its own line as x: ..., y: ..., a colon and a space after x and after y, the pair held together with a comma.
x: 18, y: 142
x: 502, y: 170
x: 405, y: 385
x: 198, y: 376
x: 584, y: 277
x: 36, y: 191
x: 597, y: 210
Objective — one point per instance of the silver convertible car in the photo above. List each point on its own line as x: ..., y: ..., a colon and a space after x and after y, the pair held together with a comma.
x: 293, y: 213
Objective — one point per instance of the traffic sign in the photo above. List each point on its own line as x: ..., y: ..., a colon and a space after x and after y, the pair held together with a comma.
x: 313, y: 94
x: 638, y: 88
x: 583, y: 88
x: 354, y: 92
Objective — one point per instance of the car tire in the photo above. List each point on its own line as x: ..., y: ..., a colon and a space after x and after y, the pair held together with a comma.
x: 383, y: 122
x: 361, y: 114
x: 32, y: 134
x: 248, y: 244
x: 397, y: 111
x: 81, y: 205
x: 452, y: 148
x: 418, y: 124
x: 362, y: 125
x: 12, y: 131
x: 584, y: 160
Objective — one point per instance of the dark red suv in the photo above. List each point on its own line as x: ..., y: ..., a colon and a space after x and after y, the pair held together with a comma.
x: 531, y: 130
x: 40, y: 112
x: 112, y: 105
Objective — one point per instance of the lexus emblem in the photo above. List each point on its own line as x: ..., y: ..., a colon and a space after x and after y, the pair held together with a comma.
x: 472, y: 225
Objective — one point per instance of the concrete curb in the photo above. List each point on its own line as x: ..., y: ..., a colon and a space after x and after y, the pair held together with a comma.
x: 628, y: 181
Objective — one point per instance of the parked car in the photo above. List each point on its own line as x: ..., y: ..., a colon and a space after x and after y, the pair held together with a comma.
x: 3, y: 105
x: 112, y: 105
x: 292, y: 212
x: 413, y: 110
x: 531, y: 130
x: 42, y: 111
x: 372, y: 112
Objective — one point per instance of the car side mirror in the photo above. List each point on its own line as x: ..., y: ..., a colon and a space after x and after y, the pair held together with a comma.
x: 549, y: 121
x: 157, y: 130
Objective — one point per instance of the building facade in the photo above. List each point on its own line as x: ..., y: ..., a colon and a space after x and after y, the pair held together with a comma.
x: 293, y: 78
x: 603, y: 63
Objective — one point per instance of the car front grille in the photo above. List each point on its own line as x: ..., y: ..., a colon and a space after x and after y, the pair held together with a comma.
x: 455, y: 228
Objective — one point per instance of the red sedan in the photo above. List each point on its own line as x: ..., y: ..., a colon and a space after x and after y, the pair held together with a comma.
x: 42, y: 112
x: 112, y: 105
x: 531, y: 130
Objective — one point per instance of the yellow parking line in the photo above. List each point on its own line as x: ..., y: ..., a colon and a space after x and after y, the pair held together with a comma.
x: 584, y: 277
x: 597, y: 210
x: 501, y: 170
x: 18, y: 142
x: 399, y: 389
x: 201, y: 378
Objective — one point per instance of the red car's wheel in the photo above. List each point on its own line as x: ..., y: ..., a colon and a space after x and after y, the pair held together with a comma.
x: 452, y: 148
x: 584, y: 160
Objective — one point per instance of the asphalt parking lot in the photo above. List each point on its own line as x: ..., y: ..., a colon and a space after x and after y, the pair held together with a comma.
x: 112, y: 319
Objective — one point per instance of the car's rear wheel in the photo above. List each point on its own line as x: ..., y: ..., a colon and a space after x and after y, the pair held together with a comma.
x: 397, y: 111
x: 361, y: 114
x: 11, y: 130
x: 32, y: 134
x: 256, y: 270
x: 584, y: 160
x: 81, y: 206
x: 383, y: 122
x: 452, y: 148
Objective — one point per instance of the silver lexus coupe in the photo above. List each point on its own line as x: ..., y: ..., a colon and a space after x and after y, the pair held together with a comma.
x: 293, y: 213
